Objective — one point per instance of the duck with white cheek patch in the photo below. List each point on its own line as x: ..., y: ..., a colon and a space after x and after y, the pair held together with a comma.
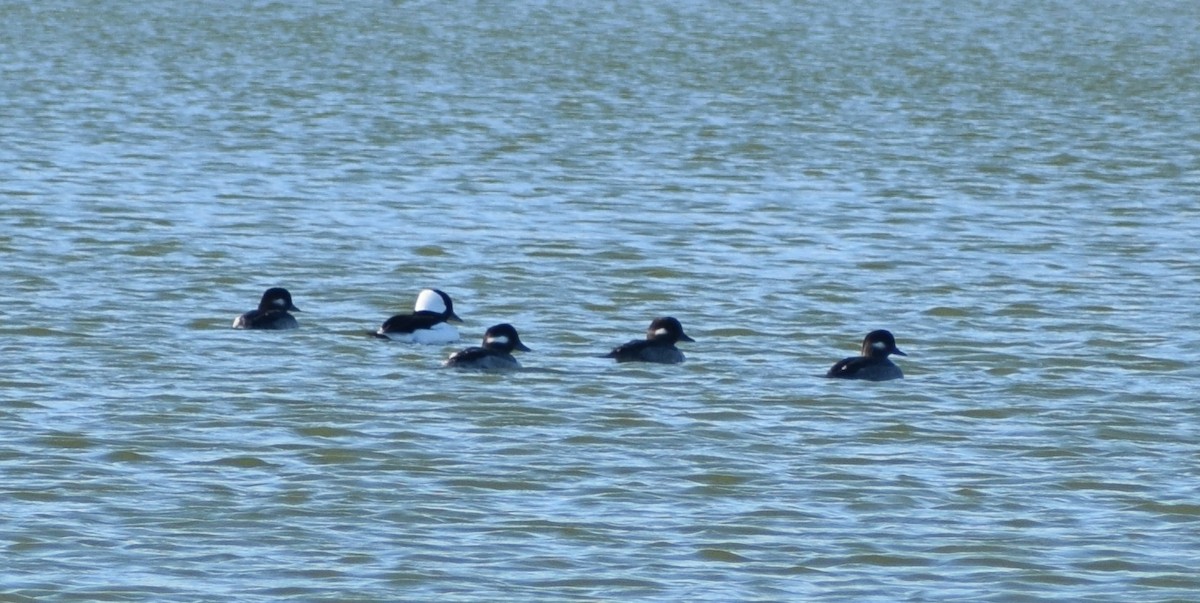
x: 429, y: 322
x: 873, y: 364
x: 494, y: 354
x: 658, y: 346
x: 272, y: 312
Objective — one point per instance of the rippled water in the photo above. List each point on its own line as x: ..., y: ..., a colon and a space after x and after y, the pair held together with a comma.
x: 1012, y: 190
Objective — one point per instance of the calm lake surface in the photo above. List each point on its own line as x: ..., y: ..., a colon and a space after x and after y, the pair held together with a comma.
x: 1013, y: 189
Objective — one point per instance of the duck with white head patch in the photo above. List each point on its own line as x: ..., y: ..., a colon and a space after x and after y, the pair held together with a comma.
x: 873, y: 364
x: 495, y: 353
x: 428, y: 323
x: 658, y: 346
x: 272, y: 312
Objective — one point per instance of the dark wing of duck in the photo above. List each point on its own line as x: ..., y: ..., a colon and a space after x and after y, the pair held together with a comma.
x: 629, y: 352
x: 271, y: 320
x: 246, y: 320
x: 407, y: 323
x: 846, y: 368
x: 468, y: 355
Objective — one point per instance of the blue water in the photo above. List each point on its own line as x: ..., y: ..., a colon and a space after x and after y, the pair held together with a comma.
x: 1011, y: 190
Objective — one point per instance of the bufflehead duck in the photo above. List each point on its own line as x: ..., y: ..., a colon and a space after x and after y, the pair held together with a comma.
x: 658, y: 346
x: 428, y: 322
x: 496, y: 354
x: 272, y: 312
x: 873, y: 364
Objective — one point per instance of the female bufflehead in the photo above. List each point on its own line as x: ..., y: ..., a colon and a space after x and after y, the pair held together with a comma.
x: 658, y: 346
x: 496, y: 353
x: 272, y: 312
x: 428, y: 322
x: 873, y: 364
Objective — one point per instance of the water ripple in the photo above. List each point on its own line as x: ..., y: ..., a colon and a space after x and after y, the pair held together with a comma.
x: 1010, y: 191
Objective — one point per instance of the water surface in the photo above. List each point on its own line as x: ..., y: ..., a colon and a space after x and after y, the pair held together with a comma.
x: 1012, y: 190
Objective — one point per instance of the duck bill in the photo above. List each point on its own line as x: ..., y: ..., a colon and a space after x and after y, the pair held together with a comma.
x: 522, y: 347
x: 684, y: 337
x: 454, y: 317
x: 897, y: 352
x: 292, y: 308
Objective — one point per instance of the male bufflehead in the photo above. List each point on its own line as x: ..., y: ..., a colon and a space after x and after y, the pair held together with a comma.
x: 272, y: 312
x: 496, y: 354
x: 658, y: 346
x: 873, y: 364
x: 428, y: 322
